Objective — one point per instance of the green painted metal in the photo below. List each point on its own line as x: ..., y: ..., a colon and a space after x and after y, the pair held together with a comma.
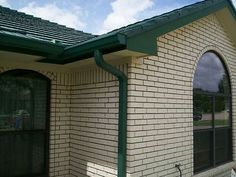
x: 122, y: 122
x: 21, y: 44
x: 106, y: 44
x: 146, y: 41
x: 139, y: 37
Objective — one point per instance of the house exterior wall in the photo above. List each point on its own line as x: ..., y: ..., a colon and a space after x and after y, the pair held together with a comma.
x: 160, y: 123
x: 84, y: 109
x: 83, y: 120
x: 94, y: 123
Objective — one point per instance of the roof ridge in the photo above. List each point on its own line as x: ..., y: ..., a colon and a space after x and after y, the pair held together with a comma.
x: 201, y: 2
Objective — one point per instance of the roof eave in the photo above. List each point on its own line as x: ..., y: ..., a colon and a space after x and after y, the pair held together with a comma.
x: 27, y: 45
x: 146, y: 40
x: 142, y: 41
x: 106, y: 44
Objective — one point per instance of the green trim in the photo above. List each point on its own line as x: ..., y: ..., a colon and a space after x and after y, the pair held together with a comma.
x: 146, y: 41
x: 106, y: 44
x: 28, y: 45
x: 139, y: 37
x: 122, y: 127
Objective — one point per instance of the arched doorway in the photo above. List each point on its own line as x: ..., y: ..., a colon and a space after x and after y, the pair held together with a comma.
x: 24, y: 123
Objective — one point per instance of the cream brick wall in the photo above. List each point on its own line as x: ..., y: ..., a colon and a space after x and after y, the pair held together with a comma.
x: 84, y: 109
x: 160, y: 126
x: 94, y: 123
x: 60, y: 125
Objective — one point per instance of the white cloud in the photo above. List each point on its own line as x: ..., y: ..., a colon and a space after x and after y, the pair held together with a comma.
x: 53, y: 13
x: 124, y: 12
x: 234, y: 2
x: 4, y: 3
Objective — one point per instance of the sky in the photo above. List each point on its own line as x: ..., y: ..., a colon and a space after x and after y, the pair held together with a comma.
x: 95, y: 16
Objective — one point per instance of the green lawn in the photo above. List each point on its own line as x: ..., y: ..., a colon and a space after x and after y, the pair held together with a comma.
x: 208, y: 122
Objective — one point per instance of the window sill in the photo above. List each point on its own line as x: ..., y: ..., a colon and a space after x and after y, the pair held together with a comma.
x: 217, y: 170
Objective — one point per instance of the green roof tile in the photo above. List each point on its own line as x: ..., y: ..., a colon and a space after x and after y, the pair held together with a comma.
x: 38, y: 28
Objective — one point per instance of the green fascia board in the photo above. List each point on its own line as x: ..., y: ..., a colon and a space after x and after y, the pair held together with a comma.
x: 27, y: 45
x: 140, y: 37
x: 146, y: 42
x: 105, y: 44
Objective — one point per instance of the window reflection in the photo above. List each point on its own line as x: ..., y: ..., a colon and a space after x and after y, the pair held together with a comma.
x: 222, y: 111
x: 210, y: 75
x: 202, y: 111
x: 211, y: 113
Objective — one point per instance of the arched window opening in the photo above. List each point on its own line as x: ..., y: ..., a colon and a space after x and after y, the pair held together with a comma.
x: 23, y: 123
x: 212, y: 113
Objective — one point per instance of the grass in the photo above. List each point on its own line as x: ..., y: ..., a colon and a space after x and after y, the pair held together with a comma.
x: 208, y: 122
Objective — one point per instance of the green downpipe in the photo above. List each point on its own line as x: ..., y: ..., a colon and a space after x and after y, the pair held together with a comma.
x: 122, y: 122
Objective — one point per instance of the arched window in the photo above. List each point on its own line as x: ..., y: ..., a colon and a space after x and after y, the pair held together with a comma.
x: 24, y: 108
x: 212, y: 113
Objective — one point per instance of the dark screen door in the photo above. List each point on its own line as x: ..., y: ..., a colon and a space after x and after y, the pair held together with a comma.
x: 23, y: 124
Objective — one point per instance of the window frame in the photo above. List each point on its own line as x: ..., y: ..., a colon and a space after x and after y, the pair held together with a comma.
x: 212, y: 130
x: 33, y: 74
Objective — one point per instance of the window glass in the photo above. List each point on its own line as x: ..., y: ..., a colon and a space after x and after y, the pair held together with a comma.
x: 211, y: 113
x: 223, y: 145
x: 222, y: 111
x: 202, y: 111
x: 210, y: 75
x: 202, y: 150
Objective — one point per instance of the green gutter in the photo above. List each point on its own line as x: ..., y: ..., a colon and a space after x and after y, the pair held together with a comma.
x: 27, y: 45
x: 106, y: 44
x: 122, y: 123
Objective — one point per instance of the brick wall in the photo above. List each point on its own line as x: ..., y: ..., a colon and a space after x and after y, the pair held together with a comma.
x: 160, y: 126
x: 84, y: 109
x: 60, y: 125
x: 83, y: 122
x: 94, y: 123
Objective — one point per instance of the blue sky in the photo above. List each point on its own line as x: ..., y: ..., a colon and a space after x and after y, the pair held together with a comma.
x: 95, y: 16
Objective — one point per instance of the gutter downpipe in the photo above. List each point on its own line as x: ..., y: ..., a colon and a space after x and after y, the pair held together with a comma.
x: 122, y: 122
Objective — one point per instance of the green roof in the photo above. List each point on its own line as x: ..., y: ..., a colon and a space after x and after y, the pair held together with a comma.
x: 37, y: 28
x: 138, y: 37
